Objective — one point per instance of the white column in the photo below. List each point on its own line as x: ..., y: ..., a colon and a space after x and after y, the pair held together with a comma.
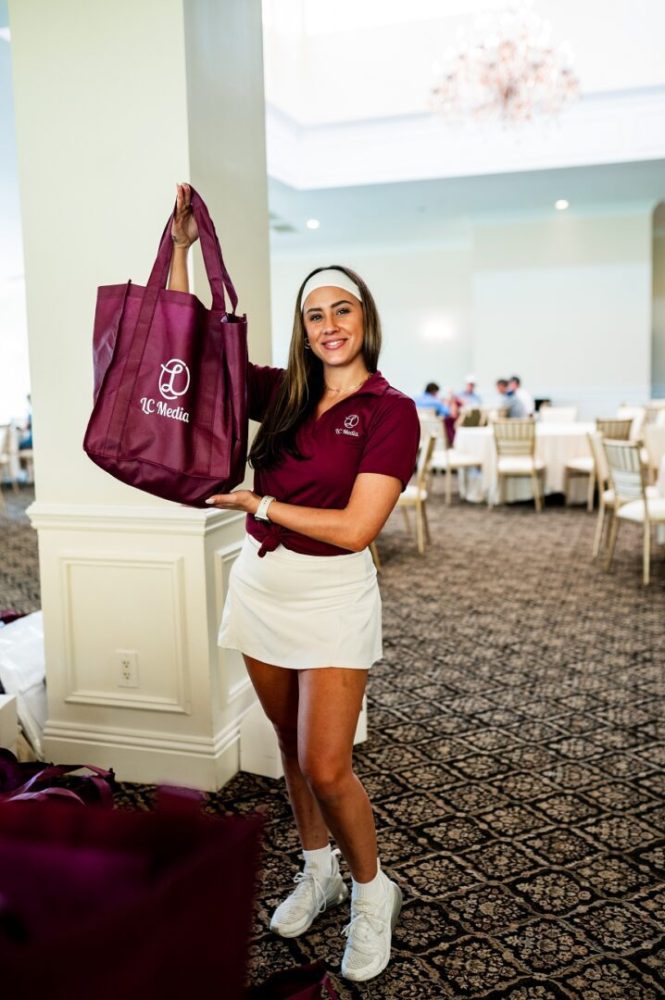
x: 115, y: 102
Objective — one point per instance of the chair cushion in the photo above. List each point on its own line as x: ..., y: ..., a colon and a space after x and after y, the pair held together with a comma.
x: 581, y: 465
x: 634, y: 511
x: 651, y: 491
x: 439, y: 461
x: 519, y: 465
x: 412, y: 495
x: 443, y: 458
x: 462, y: 460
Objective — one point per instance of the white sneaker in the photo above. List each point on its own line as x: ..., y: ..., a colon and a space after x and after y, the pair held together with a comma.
x: 369, y: 933
x: 311, y: 896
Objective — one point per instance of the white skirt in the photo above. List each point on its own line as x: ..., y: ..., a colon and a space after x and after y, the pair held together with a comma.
x: 300, y: 611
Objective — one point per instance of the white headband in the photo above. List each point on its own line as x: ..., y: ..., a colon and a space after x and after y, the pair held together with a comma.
x: 331, y: 277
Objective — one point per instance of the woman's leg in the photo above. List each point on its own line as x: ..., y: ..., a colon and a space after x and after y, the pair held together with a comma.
x: 277, y: 690
x: 315, y: 713
x: 330, y: 700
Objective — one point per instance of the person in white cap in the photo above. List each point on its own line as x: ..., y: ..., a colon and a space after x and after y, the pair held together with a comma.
x: 469, y: 397
x: 335, y: 447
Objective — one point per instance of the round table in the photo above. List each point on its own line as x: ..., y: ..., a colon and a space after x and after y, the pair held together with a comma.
x: 556, y: 444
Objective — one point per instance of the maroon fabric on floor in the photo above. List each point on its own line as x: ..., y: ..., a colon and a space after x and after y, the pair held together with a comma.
x: 108, y: 904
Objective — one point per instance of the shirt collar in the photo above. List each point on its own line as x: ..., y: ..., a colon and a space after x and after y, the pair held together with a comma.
x: 376, y: 385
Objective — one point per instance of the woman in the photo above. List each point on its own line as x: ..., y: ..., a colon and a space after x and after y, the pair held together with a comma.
x: 335, y: 447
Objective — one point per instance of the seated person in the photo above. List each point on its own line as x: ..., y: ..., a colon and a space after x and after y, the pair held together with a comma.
x: 429, y: 400
x: 25, y: 441
x: 509, y: 402
x: 524, y: 396
x: 469, y: 398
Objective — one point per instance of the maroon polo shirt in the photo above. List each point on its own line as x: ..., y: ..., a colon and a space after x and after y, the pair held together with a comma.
x: 376, y: 429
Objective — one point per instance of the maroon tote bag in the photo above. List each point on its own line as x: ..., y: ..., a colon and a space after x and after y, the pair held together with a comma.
x: 170, y: 411
x: 110, y: 904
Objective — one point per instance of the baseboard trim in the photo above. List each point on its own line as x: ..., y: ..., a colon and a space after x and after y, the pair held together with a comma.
x: 151, y: 758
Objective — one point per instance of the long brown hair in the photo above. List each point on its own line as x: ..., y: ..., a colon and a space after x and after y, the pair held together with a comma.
x: 302, y: 385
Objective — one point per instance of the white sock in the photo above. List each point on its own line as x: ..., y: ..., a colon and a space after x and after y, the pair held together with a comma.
x: 373, y: 892
x: 319, y: 861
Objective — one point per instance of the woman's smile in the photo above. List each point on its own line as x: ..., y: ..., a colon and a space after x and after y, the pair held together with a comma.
x: 334, y: 325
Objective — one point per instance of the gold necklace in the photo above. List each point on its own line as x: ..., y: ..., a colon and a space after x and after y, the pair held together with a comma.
x: 349, y: 388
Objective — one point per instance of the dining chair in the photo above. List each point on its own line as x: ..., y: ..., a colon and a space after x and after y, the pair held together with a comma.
x: 26, y: 461
x: 415, y: 494
x: 448, y: 460
x: 654, y: 412
x: 430, y: 424
x: 613, y: 428
x: 558, y: 414
x: 515, y: 443
x: 581, y: 465
x: 632, y: 502
x: 472, y: 416
x: 637, y: 416
x: 654, y: 449
x: 605, y: 492
x: 376, y: 559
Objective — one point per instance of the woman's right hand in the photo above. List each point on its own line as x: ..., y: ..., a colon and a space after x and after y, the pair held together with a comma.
x: 184, y: 230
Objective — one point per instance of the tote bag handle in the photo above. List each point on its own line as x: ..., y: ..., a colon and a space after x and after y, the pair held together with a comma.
x: 218, y: 276
x: 220, y: 282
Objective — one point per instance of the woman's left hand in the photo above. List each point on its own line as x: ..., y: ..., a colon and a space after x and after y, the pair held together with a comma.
x: 243, y: 500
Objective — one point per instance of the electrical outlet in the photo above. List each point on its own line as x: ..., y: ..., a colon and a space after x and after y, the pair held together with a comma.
x: 128, y: 668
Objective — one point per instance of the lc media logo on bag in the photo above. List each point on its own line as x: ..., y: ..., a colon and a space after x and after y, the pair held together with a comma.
x: 173, y: 382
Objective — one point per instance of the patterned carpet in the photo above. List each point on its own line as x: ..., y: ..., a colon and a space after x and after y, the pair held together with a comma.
x: 19, y: 563
x: 515, y: 761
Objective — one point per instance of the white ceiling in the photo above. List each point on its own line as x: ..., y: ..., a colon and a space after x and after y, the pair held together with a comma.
x: 352, y: 142
x: 351, y: 60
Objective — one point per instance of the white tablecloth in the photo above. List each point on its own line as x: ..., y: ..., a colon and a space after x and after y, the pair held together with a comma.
x: 556, y: 444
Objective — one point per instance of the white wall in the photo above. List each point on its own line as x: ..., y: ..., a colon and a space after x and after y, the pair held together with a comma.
x: 658, y: 316
x: 423, y: 297
x: 14, y: 374
x: 86, y: 202
x: 565, y: 302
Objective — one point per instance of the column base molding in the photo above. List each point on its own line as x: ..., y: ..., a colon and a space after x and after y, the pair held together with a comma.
x: 158, y: 758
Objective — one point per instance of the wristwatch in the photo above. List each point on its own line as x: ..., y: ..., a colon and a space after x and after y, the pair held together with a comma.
x: 262, y: 509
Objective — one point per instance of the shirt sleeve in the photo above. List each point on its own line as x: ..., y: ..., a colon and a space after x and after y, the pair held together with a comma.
x: 392, y: 442
x: 262, y: 383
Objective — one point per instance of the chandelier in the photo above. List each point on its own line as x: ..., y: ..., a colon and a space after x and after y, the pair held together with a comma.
x: 507, y: 69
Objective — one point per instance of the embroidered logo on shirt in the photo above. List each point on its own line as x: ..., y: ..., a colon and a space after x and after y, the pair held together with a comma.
x: 350, y: 423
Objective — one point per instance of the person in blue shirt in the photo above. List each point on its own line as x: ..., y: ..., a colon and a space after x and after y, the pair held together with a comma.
x: 469, y: 397
x: 25, y: 441
x: 429, y: 400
